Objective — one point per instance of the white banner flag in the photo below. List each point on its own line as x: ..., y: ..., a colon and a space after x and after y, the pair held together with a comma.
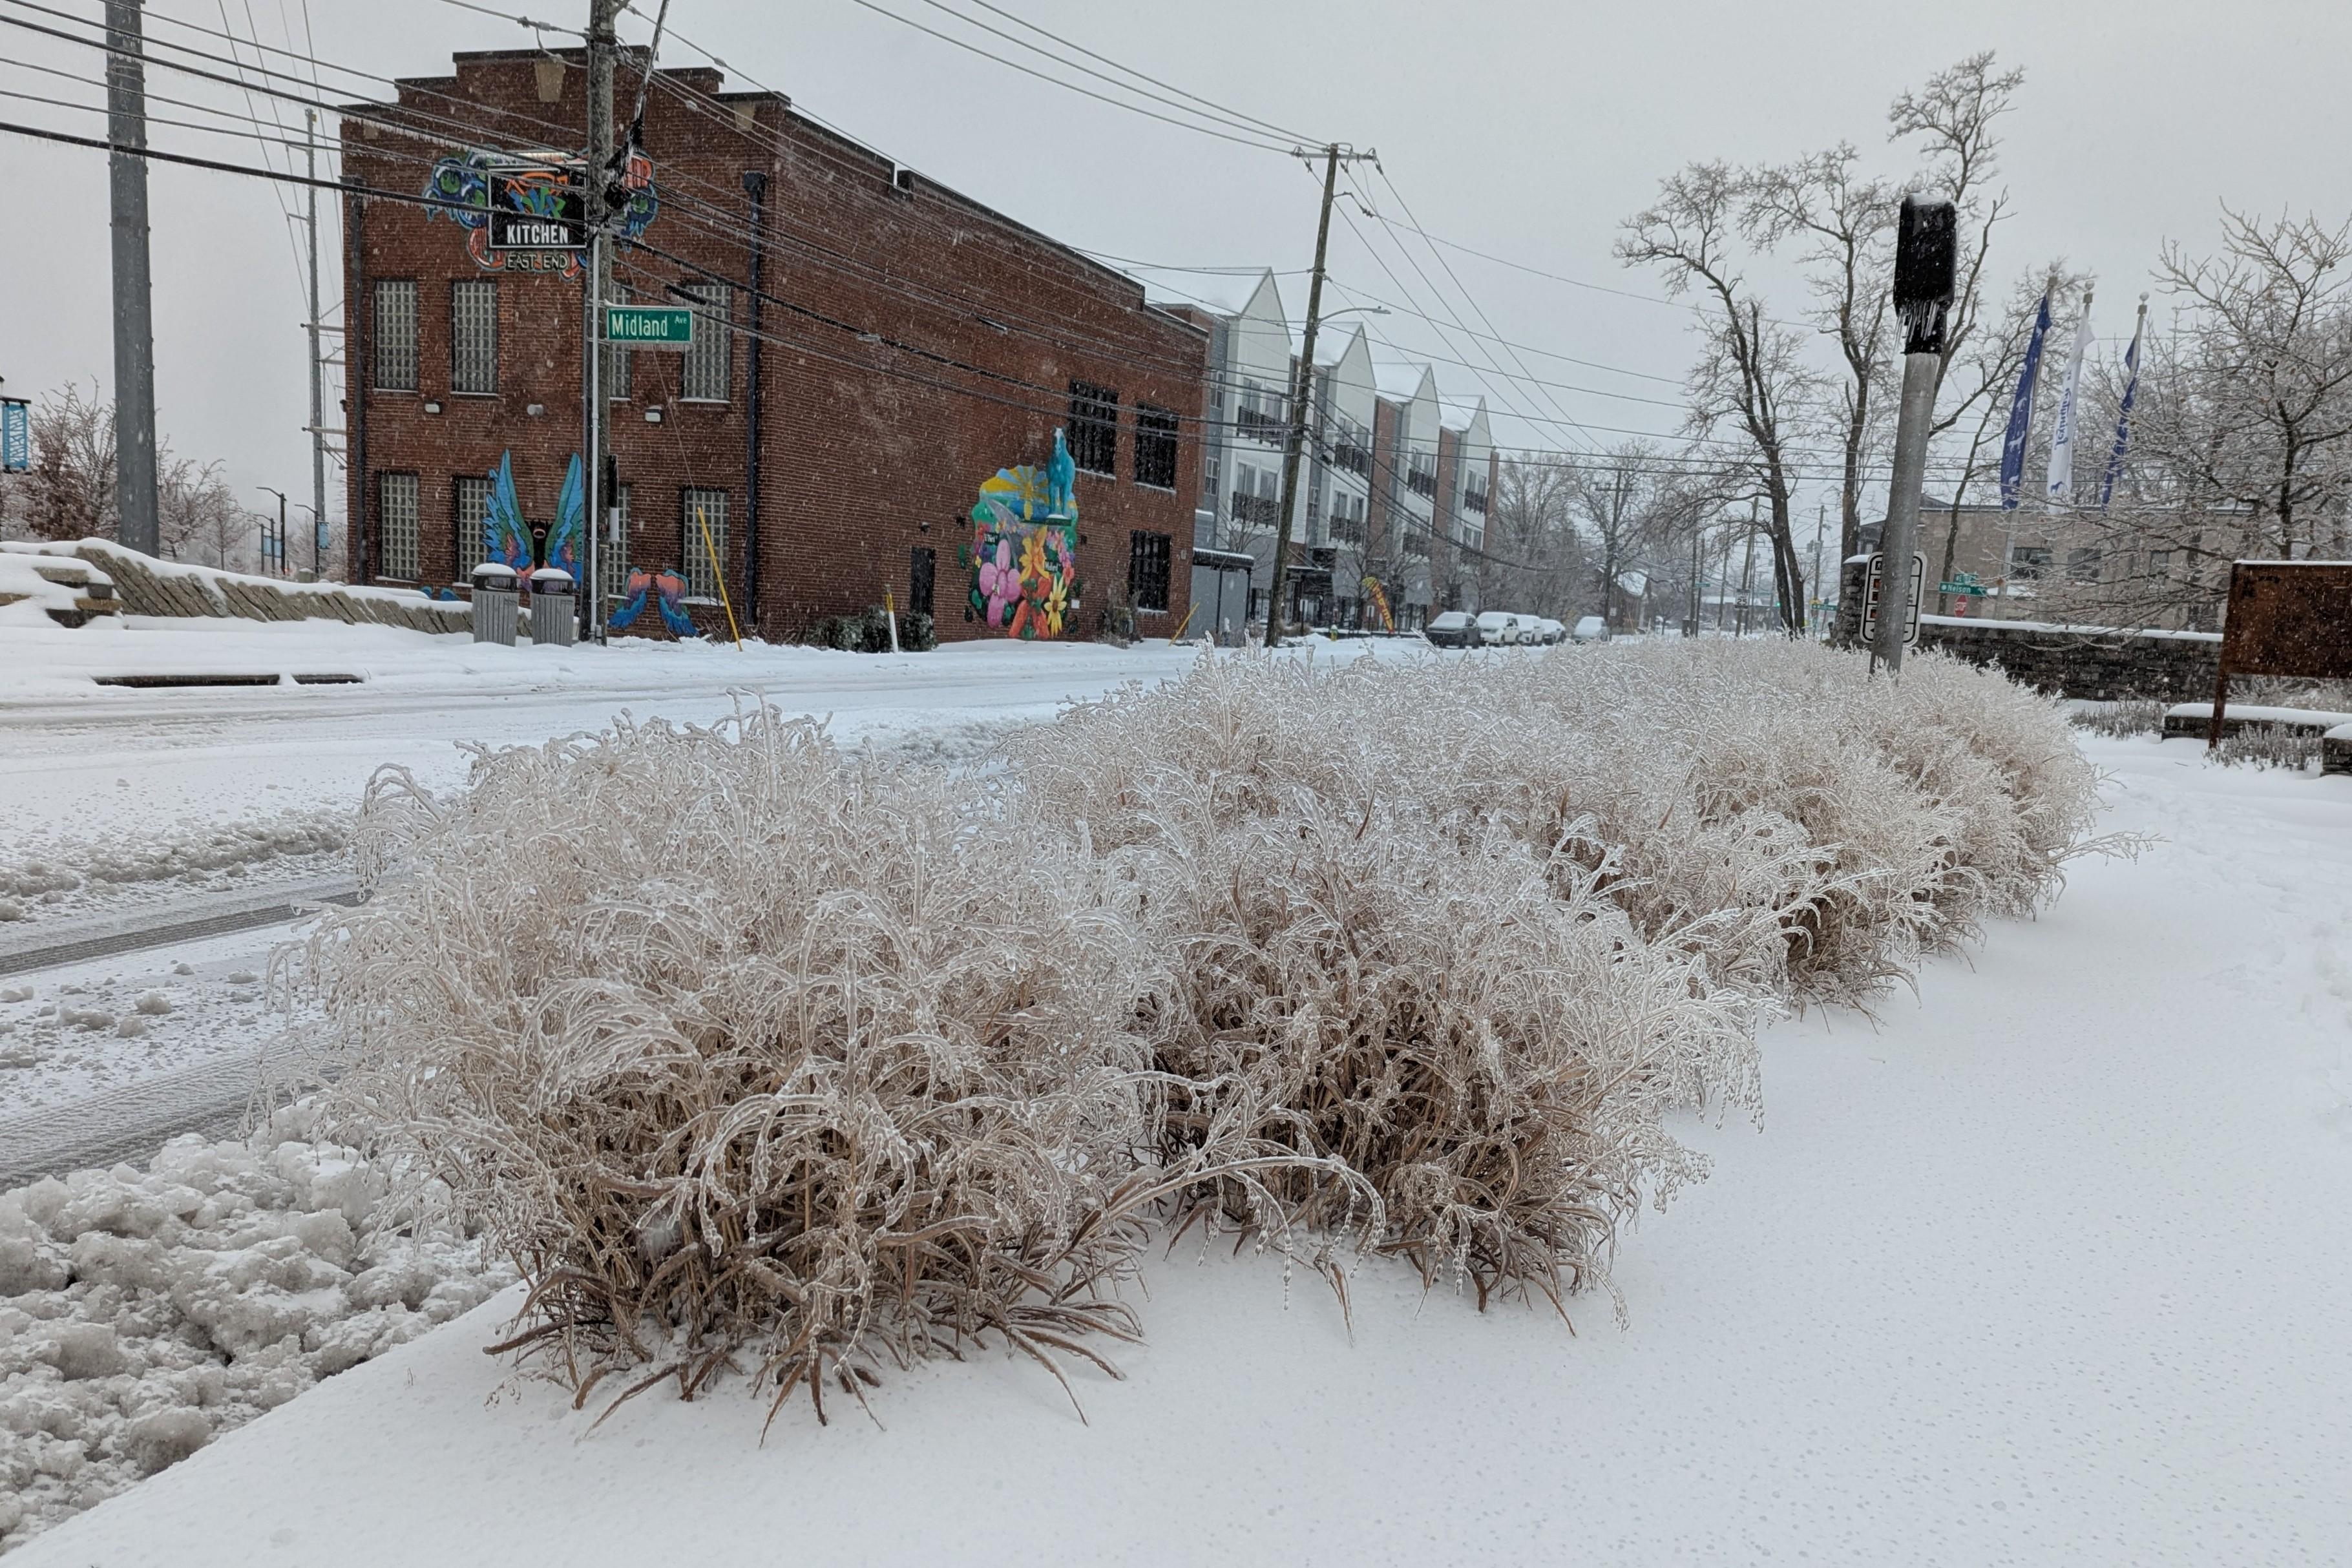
x: 2062, y: 436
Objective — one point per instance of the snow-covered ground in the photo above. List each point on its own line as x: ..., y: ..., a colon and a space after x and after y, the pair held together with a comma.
x: 2047, y: 1265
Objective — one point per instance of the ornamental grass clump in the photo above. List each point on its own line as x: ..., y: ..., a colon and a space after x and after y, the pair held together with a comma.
x: 1487, y: 1054
x: 752, y: 1055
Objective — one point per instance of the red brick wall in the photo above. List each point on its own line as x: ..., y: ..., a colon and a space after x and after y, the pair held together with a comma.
x: 867, y: 450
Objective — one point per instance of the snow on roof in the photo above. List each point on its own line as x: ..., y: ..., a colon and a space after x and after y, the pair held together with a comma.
x: 1635, y: 583
x: 1219, y: 293
x: 1398, y: 382
x: 1332, y: 341
x: 1458, y: 417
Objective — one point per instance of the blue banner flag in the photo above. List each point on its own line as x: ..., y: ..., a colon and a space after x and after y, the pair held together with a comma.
x: 2021, y: 413
x: 15, y: 436
x: 2123, y: 414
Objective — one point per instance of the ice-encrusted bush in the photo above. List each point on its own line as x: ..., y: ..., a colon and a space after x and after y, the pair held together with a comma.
x: 144, y: 1312
x: 1485, y: 1055
x: 746, y: 1049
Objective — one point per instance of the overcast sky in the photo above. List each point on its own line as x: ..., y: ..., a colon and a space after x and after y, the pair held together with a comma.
x: 1528, y: 131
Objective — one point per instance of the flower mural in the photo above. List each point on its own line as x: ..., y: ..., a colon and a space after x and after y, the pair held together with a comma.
x: 1024, y: 555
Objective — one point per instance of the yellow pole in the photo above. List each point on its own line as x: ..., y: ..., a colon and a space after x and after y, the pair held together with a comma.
x: 1185, y: 624
x: 711, y: 552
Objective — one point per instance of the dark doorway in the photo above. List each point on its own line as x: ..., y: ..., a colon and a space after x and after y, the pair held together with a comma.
x: 922, y: 566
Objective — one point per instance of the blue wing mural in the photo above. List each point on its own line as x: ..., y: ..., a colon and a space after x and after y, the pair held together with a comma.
x: 564, y: 539
x: 505, y: 538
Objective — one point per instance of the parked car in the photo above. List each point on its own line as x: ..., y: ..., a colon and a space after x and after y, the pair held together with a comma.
x: 1455, y: 629
x: 1500, y: 629
x: 1591, y: 629
x: 1549, y: 630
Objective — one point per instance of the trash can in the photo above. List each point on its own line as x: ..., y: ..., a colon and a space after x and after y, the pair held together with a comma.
x: 494, y: 603
x: 553, y: 620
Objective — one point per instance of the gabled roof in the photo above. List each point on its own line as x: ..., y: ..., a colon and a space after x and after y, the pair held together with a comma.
x: 1399, y: 382
x: 1226, y: 294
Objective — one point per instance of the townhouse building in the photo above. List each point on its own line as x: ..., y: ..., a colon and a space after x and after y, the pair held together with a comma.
x: 869, y: 404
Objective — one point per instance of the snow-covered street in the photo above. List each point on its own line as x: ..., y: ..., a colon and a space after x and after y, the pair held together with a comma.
x: 2041, y: 1268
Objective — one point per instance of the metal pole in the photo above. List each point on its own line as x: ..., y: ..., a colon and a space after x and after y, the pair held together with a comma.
x: 603, y: 43
x: 318, y: 397
x: 135, y: 327
x: 755, y: 186
x: 1820, y: 520
x: 1927, y: 251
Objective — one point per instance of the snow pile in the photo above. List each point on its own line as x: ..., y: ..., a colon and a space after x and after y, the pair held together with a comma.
x: 195, y: 853
x: 142, y: 1313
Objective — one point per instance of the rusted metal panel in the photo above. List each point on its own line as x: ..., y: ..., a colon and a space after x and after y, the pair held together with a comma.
x: 2285, y: 618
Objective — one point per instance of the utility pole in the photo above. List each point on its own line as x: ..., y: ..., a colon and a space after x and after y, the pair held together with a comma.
x: 1747, y: 570
x: 1820, y: 522
x: 604, y: 45
x: 134, y: 324
x: 317, y: 404
x: 1926, y: 256
x: 1303, y: 390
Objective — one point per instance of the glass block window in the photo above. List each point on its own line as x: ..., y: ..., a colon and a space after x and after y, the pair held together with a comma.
x: 394, y: 345
x: 697, y: 508
x: 397, y: 525
x: 708, y: 375
x: 612, y: 551
x: 474, y: 336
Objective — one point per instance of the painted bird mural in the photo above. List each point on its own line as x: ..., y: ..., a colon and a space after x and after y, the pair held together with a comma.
x: 668, y: 590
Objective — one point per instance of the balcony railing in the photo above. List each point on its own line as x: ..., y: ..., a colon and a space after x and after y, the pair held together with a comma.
x: 1258, y: 511
x: 1421, y: 482
x: 1475, y: 501
x: 1271, y: 428
x: 1353, y: 458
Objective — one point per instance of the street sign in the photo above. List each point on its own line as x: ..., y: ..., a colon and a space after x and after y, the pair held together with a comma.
x: 649, y: 325
x: 1974, y: 590
x: 537, y: 206
x: 1870, y: 600
x: 15, y: 436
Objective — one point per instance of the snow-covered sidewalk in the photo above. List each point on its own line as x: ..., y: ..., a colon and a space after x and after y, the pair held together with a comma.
x: 2048, y: 1267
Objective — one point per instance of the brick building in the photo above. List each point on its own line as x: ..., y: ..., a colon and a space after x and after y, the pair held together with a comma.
x: 904, y: 345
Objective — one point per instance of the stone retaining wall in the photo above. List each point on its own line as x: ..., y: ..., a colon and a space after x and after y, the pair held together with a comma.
x: 145, y: 591
x: 2087, y: 662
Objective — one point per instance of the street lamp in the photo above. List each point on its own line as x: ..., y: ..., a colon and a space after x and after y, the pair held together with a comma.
x: 281, y: 527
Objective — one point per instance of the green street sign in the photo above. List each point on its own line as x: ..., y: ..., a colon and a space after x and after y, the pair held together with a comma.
x: 649, y: 325
x: 1977, y: 589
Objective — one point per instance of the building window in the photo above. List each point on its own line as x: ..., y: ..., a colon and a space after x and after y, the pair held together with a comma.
x: 708, y: 375
x: 472, y: 504
x: 1155, y: 446
x: 1094, y: 428
x: 1257, y: 498
x: 1473, y: 497
x: 2083, y: 565
x: 396, y: 335
x: 1210, y: 465
x: 2160, y: 565
x: 474, y: 336
x: 397, y: 525
x: 613, y: 551
x: 1347, y: 519
x: 617, y: 366
x: 2028, y: 563
x: 1420, y: 474
x: 702, y: 514
x: 1146, y: 572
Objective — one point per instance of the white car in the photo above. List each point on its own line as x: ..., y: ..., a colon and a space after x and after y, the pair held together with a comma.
x: 1549, y: 630
x: 1500, y: 629
x: 1591, y: 629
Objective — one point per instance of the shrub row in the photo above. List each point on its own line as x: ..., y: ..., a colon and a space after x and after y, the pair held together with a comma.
x: 756, y: 1054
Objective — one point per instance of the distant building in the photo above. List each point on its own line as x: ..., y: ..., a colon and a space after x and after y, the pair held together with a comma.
x: 912, y: 343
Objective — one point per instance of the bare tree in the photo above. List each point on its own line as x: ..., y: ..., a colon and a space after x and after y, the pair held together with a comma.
x: 1847, y: 223
x: 1533, y: 522
x: 2257, y: 414
x: 1751, y: 375
x: 69, y: 492
x: 197, y: 514
x: 1950, y: 122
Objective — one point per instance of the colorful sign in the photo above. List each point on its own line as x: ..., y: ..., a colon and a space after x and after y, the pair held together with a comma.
x: 15, y: 436
x: 517, y: 210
